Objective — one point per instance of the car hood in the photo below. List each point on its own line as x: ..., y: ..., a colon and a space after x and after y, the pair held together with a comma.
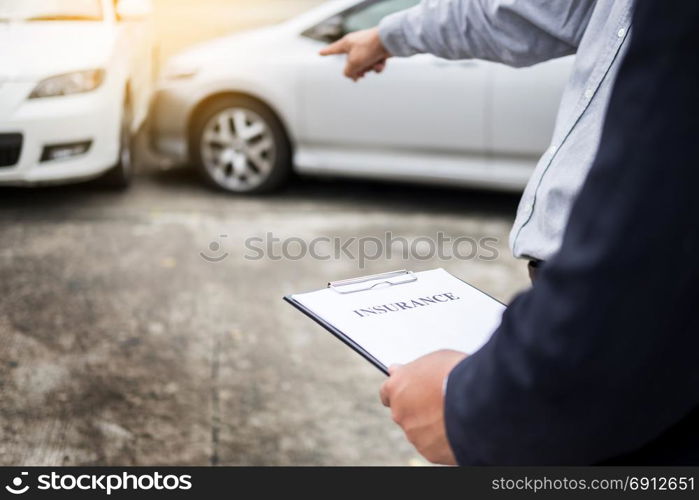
x: 34, y: 50
x: 249, y: 43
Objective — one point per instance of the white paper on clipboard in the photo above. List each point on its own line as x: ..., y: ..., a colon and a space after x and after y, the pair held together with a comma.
x: 398, y: 317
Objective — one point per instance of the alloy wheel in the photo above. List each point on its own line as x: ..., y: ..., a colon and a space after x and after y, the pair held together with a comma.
x: 238, y: 149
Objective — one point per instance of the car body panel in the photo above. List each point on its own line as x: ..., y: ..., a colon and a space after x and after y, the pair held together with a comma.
x: 82, y: 117
x: 35, y: 50
x: 62, y: 48
x: 523, y: 106
x: 424, y: 119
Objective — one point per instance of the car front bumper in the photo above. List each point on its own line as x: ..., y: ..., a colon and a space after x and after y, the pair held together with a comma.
x: 89, y: 118
x: 171, y: 109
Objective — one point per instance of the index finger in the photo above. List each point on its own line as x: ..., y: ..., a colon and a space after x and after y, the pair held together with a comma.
x: 339, y: 47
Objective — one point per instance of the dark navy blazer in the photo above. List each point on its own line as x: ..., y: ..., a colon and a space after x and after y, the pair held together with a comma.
x: 599, y: 361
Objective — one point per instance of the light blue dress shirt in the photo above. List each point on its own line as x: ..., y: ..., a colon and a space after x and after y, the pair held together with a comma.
x: 523, y: 33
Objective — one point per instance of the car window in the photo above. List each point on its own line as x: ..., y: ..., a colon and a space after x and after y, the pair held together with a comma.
x: 51, y: 10
x: 370, y: 15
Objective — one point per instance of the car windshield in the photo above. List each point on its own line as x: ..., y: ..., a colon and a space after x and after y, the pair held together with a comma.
x: 50, y: 10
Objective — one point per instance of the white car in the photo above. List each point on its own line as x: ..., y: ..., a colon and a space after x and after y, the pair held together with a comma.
x: 249, y: 108
x: 76, y: 78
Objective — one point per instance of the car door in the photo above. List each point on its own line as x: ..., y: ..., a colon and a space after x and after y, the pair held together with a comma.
x: 524, y: 107
x: 420, y: 103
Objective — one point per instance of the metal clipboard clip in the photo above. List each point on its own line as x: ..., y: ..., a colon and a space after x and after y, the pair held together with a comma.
x: 374, y: 281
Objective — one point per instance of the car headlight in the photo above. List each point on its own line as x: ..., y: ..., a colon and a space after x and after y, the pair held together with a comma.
x: 69, y: 83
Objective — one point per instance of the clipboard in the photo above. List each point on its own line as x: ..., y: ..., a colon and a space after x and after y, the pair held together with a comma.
x: 367, y: 287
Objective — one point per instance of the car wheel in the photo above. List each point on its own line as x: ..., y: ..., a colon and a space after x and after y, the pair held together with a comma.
x: 240, y: 146
x: 121, y: 174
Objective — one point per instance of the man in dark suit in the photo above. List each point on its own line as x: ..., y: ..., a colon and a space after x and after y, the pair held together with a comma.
x: 599, y: 361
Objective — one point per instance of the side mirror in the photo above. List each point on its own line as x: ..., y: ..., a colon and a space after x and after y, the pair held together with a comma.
x: 329, y: 30
x: 133, y: 10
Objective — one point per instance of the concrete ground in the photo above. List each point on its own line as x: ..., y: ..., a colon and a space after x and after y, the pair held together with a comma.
x: 121, y: 345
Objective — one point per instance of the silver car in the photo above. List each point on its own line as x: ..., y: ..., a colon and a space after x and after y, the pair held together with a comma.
x: 250, y: 108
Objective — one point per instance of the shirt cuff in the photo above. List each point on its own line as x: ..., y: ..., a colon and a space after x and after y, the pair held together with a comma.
x: 393, y: 37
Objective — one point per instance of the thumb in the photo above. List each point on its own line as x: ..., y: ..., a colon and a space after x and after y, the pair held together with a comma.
x: 339, y: 47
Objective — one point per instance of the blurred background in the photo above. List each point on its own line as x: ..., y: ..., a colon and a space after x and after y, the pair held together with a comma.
x: 136, y: 326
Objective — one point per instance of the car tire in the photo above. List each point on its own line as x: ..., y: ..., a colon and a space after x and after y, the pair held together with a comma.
x: 240, y: 146
x: 120, y: 176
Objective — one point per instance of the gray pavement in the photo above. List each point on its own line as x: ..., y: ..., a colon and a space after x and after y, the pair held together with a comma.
x: 121, y: 345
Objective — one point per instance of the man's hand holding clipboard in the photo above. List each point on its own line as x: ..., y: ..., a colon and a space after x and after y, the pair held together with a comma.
x: 415, y: 395
x: 415, y: 327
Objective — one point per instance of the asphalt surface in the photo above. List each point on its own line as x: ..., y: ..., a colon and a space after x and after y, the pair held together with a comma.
x: 122, y: 345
